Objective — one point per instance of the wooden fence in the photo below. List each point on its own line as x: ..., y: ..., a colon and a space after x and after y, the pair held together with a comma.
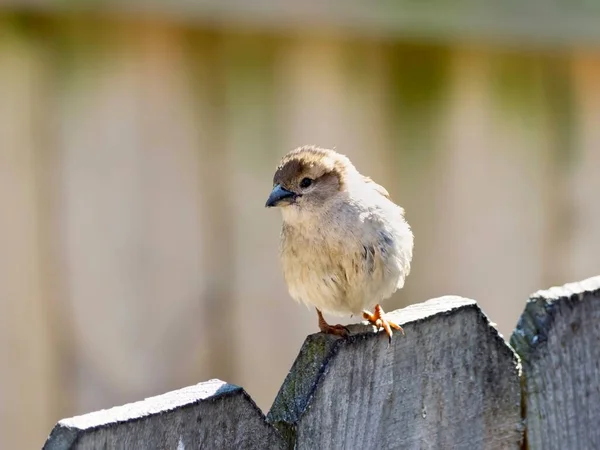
x: 121, y: 261
x: 452, y: 382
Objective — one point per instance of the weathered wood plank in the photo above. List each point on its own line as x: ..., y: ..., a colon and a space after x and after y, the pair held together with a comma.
x: 451, y: 382
x: 486, y: 142
x: 130, y: 193
x: 582, y: 180
x: 213, y: 415
x: 27, y: 337
x: 250, y: 140
x: 558, y: 339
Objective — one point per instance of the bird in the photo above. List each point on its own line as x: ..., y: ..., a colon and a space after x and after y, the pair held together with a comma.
x: 345, y: 246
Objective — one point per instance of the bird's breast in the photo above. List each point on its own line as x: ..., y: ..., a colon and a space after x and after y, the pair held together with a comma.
x: 340, y: 271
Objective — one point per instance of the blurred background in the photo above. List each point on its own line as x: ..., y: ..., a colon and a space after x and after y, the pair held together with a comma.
x: 138, y: 142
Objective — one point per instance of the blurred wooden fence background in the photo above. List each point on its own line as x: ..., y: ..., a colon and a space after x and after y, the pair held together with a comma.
x: 137, y: 150
x: 451, y: 382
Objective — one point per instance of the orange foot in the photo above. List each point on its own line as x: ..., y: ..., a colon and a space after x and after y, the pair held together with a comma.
x: 339, y: 330
x: 378, y: 320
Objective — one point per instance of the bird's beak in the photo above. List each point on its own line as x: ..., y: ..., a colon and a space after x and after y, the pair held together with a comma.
x: 280, y: 197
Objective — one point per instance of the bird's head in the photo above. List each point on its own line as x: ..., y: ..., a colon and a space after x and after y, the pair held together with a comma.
x: 308, y: 178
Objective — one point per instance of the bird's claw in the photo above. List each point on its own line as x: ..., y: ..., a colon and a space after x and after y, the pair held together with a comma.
x: 380, y: 322
x: 338, y: 330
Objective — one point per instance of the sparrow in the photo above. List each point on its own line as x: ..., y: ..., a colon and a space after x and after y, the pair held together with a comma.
x: 345, y: 246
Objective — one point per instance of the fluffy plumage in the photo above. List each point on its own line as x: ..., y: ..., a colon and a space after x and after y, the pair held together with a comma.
x: 345, y: 246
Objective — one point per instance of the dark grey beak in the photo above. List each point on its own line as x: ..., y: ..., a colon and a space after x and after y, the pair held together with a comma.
x: 280, y: 197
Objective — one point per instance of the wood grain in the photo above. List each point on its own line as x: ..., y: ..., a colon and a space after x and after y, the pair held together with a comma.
x: 558, y: 339
x: 451, y: 382
x: 213, y: 415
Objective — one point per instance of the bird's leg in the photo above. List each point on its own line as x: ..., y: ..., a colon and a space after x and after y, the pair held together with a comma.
x: 379, y: 321
x: 339, y: 330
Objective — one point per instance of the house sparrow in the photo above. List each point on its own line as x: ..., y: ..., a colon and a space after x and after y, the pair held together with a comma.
x: 345, y: 246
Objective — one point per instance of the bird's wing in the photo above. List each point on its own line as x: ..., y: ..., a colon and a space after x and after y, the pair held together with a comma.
x: 377, y: 187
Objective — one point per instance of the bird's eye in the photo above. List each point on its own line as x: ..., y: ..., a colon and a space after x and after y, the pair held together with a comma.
x: 306, y: 182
